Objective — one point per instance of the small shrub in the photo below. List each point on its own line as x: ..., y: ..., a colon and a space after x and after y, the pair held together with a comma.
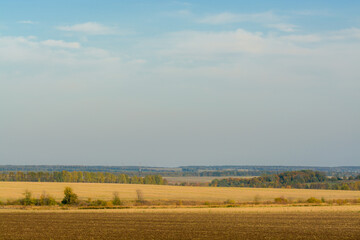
x: 27, y: 200
x: 116, y: 199
x: 280, y: 200
x: 313, y: 200
x: 207, y: 203
x: 140, y: 197
x: 14, y: 202
x: 257, y: 199
x: 46, y: 200
x: 83, y: 203
x: 230, y: 201
x: 98, y: 203
x: 341, y: 201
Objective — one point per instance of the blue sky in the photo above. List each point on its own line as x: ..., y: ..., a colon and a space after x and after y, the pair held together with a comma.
x: 168, y: 83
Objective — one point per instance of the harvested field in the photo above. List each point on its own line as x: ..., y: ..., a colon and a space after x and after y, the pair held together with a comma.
x: 181, y: 224
x: 15, y: 190
x: 178, y: 180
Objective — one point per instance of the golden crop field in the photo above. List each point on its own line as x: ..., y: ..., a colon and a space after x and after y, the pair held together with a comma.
x: 104, y: 191
x: 192, y: 179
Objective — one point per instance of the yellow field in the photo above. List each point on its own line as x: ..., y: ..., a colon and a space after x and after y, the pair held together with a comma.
x: 192, y: 179
x: 15, y: 190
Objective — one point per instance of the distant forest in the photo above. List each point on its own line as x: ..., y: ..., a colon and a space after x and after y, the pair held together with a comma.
x: 86, y: 177
x: 305, y: 179
x: 186, y: 171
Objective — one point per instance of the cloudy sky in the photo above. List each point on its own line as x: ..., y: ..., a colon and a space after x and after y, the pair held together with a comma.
x: 169, y: 83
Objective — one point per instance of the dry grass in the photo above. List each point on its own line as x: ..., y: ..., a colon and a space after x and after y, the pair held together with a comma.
x: 224, y: 210
x: 14, y: 190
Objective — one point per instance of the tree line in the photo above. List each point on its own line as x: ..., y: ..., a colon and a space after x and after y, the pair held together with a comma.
x: 70, y: 198
x: 80, y: 176
x: 305, y: 179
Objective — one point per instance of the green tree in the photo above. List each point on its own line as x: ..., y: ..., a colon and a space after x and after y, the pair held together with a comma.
x: 28, y: 200
x: 69, y: 196
x: 135, y: 180
x: 116, y: 199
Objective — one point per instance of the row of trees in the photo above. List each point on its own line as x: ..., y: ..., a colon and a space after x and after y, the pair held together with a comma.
x: 70, y: 198
x: 306, y: 179
x: 88, y: 177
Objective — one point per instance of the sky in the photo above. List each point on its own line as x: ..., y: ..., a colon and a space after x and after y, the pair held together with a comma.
x: 173, y: 83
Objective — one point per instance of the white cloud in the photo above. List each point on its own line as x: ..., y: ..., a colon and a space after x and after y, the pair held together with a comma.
x: 312, y: 12
x: 340, y: 35
x: 283, y: 27
x: 222, y: 18
x: 183, y: 12
x: 226, y: 17
x: 21, y: 50
x: 189, y: 42
x: 17, y: 49
x: 309, y: 38
x: 61, y: 44
x: 350, y: 33
x: 267, y: 19
x: 184, y: 50
x: 138, y: 61
x: 210, y: 46
x: 91, y: 28
x: 27, y: 22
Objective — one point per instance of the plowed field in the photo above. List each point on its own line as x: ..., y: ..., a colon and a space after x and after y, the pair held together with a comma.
x: 180, y: 225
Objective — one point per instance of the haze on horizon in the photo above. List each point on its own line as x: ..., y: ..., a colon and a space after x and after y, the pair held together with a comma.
x: 170, y: 83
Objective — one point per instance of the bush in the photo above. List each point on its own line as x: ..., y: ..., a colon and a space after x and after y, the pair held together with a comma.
x: 46, y: 200
x: 116, y: 199
x: 313, y: 200
x: 70, y: 197
x: 140, y: 197
x: 230, y: 201
x: 257, y: 199
x: 341, y: 201
x: 83, y: 203
x: 14, y: 202
x: 281, y: 200
x: 98, y: 203
x: 27, y: 200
